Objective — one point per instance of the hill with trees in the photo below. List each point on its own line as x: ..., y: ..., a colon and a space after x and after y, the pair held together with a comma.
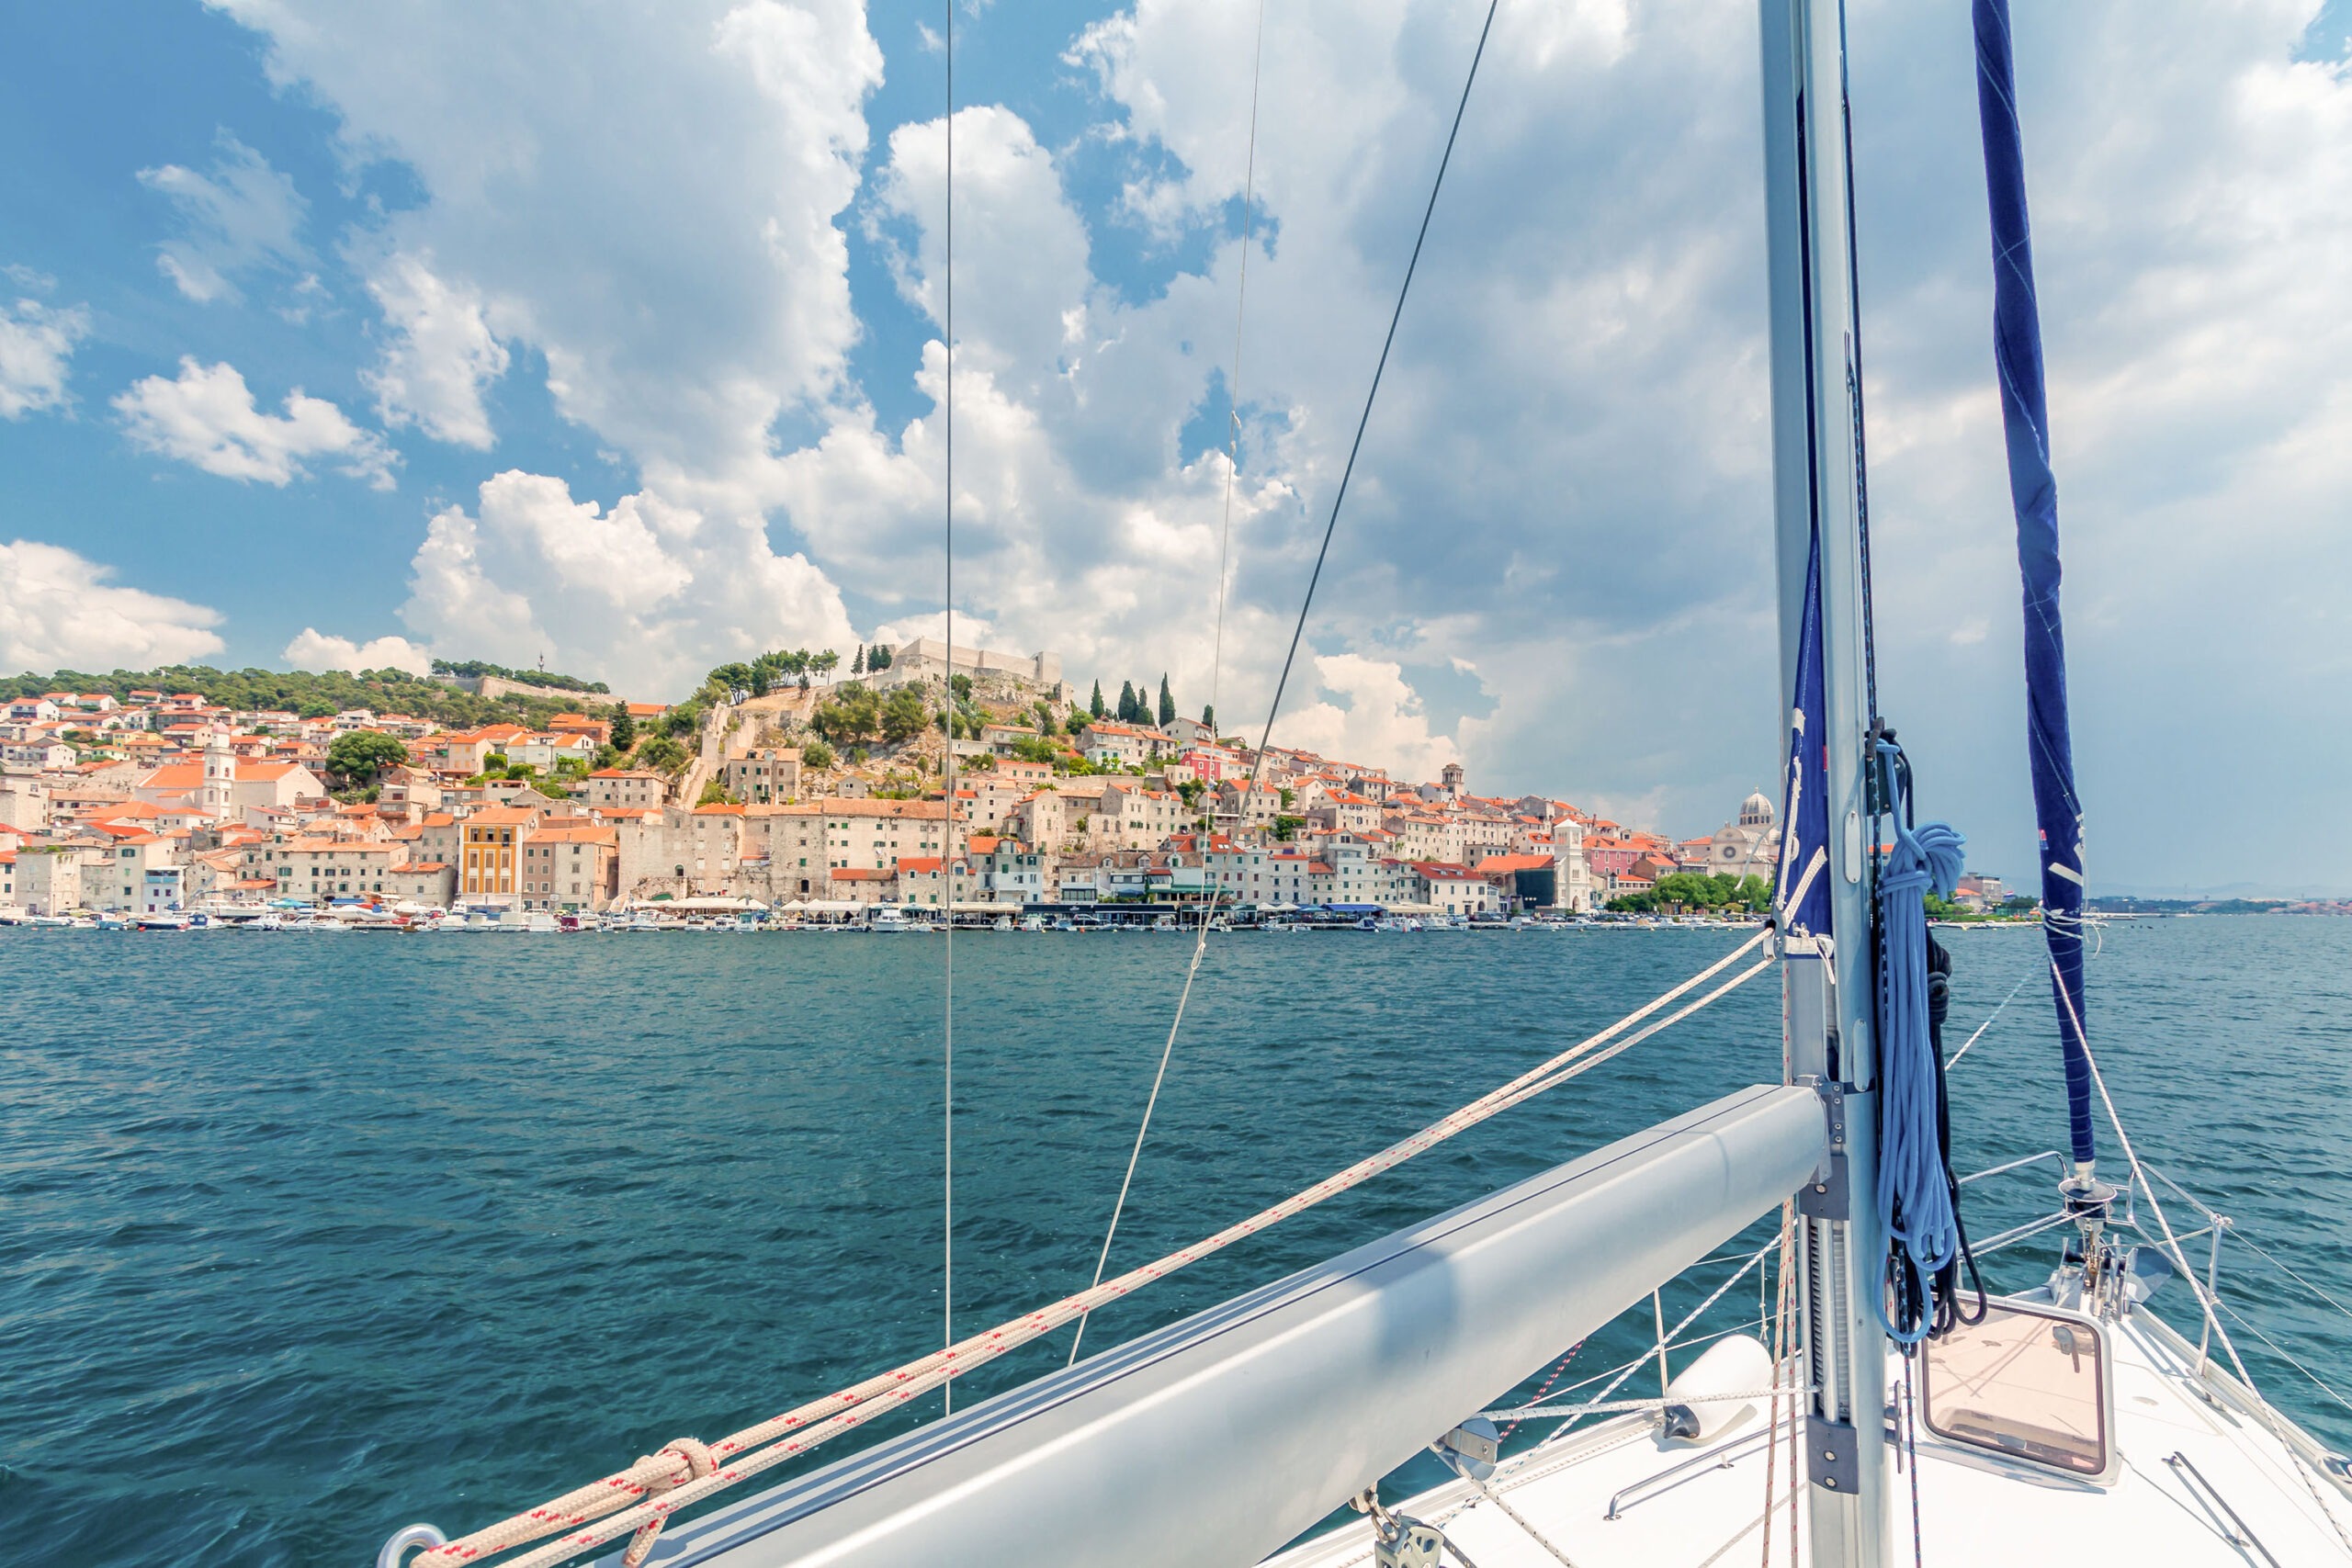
x: 474, y: 669
x: 303, y: 694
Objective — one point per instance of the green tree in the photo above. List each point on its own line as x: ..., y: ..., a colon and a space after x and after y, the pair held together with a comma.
x: 1208, y: 720
x: 1167, y: 702
x: 1286, y: 827
x: 1036, y: 748
x: 1094, y: 705
x: 1044, y: 711
x: 857, y: 665
x: 825, y: 663
x: 877, y: 658
x: 624, y: 728
x: 714, y: 793
x: 962, y: 686
x: 852, y: 715
x: 360, y: 756
x: 1126, y: 708
x: 903, y: 713
x: 663, y: 754
x: 816, y: 754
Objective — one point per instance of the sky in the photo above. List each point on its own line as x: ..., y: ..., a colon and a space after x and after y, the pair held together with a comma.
x: 612, y: 335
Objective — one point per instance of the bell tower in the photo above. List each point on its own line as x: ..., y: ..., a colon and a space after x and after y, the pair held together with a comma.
x: 219, y: 776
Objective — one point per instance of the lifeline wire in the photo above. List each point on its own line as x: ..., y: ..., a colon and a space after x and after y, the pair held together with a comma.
x: 1217, y: 670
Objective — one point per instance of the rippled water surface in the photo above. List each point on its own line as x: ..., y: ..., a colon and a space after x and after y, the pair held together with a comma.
x: 306, y: 1236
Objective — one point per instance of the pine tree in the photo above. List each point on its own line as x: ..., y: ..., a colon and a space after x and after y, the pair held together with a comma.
x: 857, y: 665
x: 1167, y: 702
x: 1094, y: 707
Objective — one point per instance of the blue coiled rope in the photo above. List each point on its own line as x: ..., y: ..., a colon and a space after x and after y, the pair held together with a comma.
x: 1915, y: 1188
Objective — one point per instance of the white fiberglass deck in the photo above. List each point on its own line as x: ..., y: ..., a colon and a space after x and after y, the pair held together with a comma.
x: 1974, y: 1508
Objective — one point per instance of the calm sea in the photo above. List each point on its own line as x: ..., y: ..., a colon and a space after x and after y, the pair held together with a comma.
x: 306, y: 1237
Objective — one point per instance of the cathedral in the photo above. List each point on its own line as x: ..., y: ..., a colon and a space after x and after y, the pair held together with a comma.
x: 1749, y: 847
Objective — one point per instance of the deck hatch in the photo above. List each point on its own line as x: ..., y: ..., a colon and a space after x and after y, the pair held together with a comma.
x: 2027, y: 1383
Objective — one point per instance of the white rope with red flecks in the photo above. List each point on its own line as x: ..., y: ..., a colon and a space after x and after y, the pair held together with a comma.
x: 641, y: 1499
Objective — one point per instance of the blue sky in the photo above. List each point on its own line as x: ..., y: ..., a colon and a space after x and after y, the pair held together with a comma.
x: 335, y: 337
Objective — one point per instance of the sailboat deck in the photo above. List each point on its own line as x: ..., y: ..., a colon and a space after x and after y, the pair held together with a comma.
x: 1685, y: 1504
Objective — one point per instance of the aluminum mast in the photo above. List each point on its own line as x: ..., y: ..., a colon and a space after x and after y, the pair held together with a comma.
x: 1818, y: 511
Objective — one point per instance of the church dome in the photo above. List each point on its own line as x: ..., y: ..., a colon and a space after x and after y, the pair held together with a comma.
x: 1755, y: 811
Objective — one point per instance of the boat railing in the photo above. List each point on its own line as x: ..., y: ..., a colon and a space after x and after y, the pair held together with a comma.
x: 1720, y: 1456
x: 2204, y: 1285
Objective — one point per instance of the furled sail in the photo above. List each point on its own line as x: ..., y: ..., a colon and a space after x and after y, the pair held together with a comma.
x: 2033, y: 491
x: 1802, y: 895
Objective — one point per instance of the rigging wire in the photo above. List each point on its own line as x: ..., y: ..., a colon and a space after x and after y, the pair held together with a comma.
x: 1372, y: 394
x: 1981, y: 1028
x: 2180, y: 1260
x: 947, y: 825
x: 1216, y: 669
x: 1307, y: 603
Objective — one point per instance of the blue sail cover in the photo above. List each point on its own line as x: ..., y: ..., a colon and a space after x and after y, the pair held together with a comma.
x: 1804, y: 795
x: 2033, y: 491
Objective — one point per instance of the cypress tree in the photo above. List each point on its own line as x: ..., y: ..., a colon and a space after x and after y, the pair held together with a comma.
x: 857, y: 665
x: 1126, y: 702
x: 1094, y: 707
x: 1208, y: 721
x: 1167, y: 702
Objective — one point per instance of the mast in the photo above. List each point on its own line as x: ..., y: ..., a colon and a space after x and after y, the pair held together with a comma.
x: 1825, y: 936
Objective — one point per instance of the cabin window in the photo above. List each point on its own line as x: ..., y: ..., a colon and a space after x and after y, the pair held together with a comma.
x: 2027, y: 1383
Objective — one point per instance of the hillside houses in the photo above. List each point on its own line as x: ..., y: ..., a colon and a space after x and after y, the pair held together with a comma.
x: 164, y: 790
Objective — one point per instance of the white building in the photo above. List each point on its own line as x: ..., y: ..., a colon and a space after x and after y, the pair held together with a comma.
x: 1751, y: 846
x: 926, y: 659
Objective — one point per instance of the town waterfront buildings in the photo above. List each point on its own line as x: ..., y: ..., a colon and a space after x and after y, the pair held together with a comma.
x: 165, y: 799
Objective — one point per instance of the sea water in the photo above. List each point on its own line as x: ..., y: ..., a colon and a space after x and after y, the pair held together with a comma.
x: 307, y: 1236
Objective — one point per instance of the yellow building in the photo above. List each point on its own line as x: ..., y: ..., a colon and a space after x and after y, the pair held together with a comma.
x: 490, y: 851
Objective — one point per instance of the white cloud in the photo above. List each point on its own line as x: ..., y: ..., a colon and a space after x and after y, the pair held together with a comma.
x: 36, y: 341
x: 645, y: 591
x: 58, y: 610
x: 240, y: 216
x: 314, y: 649
x: 1382, y: 722
x: 207, y: 417
x: 649, y: 202
x: 442, y: 353
x: 1568, y: 477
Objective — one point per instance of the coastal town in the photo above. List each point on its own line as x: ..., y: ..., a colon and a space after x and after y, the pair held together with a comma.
x: 783, y: 787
